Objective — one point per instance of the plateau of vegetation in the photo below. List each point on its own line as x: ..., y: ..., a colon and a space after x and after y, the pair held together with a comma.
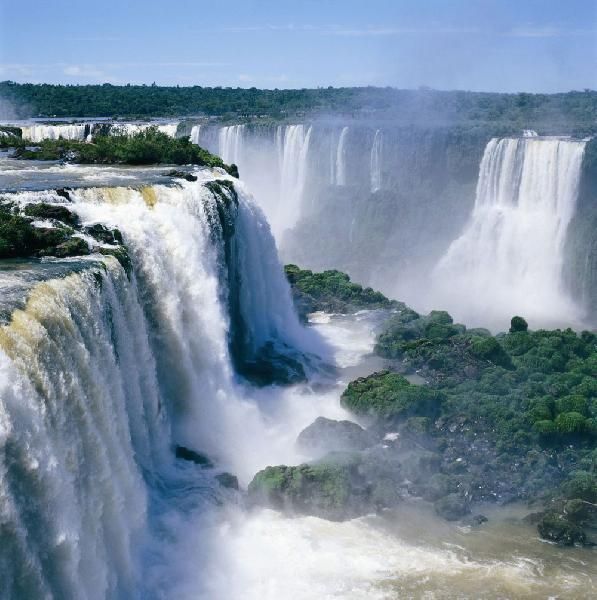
x: 146, y: 147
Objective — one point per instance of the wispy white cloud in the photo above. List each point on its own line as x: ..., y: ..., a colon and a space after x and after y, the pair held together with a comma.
x: 548, y: 32
x: 396, y: 31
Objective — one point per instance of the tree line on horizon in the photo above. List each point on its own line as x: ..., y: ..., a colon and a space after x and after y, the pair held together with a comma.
x: 575, y: 110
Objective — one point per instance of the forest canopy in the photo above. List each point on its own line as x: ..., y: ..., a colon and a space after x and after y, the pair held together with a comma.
x: 575, y: 110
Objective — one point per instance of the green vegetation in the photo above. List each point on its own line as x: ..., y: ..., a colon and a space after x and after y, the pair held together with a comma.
x: 331, y: 291
x: 19, y: 238
x: 545, y: 112
x: 143, y: 148
x: 498, y: 418
x: 330, y: 489
x: 390, y: 396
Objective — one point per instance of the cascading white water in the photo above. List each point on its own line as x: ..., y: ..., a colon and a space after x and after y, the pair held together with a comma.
x: 376, y: 158
x: 80, y: 425
x: 293, y: 173
x: 100, y: 376
x: 195, y: 133
x: 37, y: 133
x: 341, y: 158
x: 509, y: 259
x: 230, y: 143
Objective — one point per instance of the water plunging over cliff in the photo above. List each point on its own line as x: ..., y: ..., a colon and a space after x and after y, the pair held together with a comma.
x: 341, y: 158
x: 509, y: 259
x: 195, y: 133
x: 231, y: 143
x: 293, y: 149
x: 101, y: 374
x: 37, y: 133
x: 376, y: 150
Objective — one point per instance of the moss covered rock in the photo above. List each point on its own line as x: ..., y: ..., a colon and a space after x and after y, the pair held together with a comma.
x: 331, y: 489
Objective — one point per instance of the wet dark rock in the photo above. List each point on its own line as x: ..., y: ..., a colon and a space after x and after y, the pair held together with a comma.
x: 63, y: 193
x: 452, y: 507
x: 182, y: 175
x: 74, y: 246
x: 326, y: 435
x: 192, y: 456
x: 272, y: 365
x: 57, y: 212
x: 121, y: 255
x: 333, y: 488
x: 557, y: 528
x: 227, y: 480
x: 475, y: 520
x: 103, y: 234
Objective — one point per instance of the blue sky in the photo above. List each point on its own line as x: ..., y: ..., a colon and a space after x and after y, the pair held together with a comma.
x: 493, y: 45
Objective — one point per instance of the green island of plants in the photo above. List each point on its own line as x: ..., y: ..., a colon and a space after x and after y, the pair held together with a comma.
x: 147, y: 147
x: 493, y: 418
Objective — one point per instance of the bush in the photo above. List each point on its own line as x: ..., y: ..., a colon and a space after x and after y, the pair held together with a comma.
x: 518, y: 324
x: 571, y: 422
x: 386, y: 395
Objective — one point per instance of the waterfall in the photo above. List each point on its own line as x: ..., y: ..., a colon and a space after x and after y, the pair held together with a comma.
x: 102, y: 373
x: 376, y: 150
x: 37, y: 133
x: 79, y: 423
x: 509, y: 259
x: 195, y: 133
x: 341, y: 158
x: 230, y: 142
x: 293, y: 173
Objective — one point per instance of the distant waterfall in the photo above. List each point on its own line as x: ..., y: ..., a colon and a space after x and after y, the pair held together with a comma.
x: 195, y: 133
x: 100, y: 374
x: 341, y: 158
x: 38, y: 133
x: 376, y: 150
x: 509, y: 259
x: 293, y: 172
x: 230, y: 143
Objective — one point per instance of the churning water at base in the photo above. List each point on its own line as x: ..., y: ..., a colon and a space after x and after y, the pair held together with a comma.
x: 510, y: 257
x: 409, y: 552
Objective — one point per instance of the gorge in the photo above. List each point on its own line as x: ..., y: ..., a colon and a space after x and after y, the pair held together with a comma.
x: 150, y: 374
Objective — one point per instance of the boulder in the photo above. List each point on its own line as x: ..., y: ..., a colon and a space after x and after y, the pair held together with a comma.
x: 192, y: 456
x: 555, y: 527
x: 227, y: 480
x: 333, y: 488
x: 182, y: 175
x: 51, y: 211
x: 326, y: 435
x: 452, y: 507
